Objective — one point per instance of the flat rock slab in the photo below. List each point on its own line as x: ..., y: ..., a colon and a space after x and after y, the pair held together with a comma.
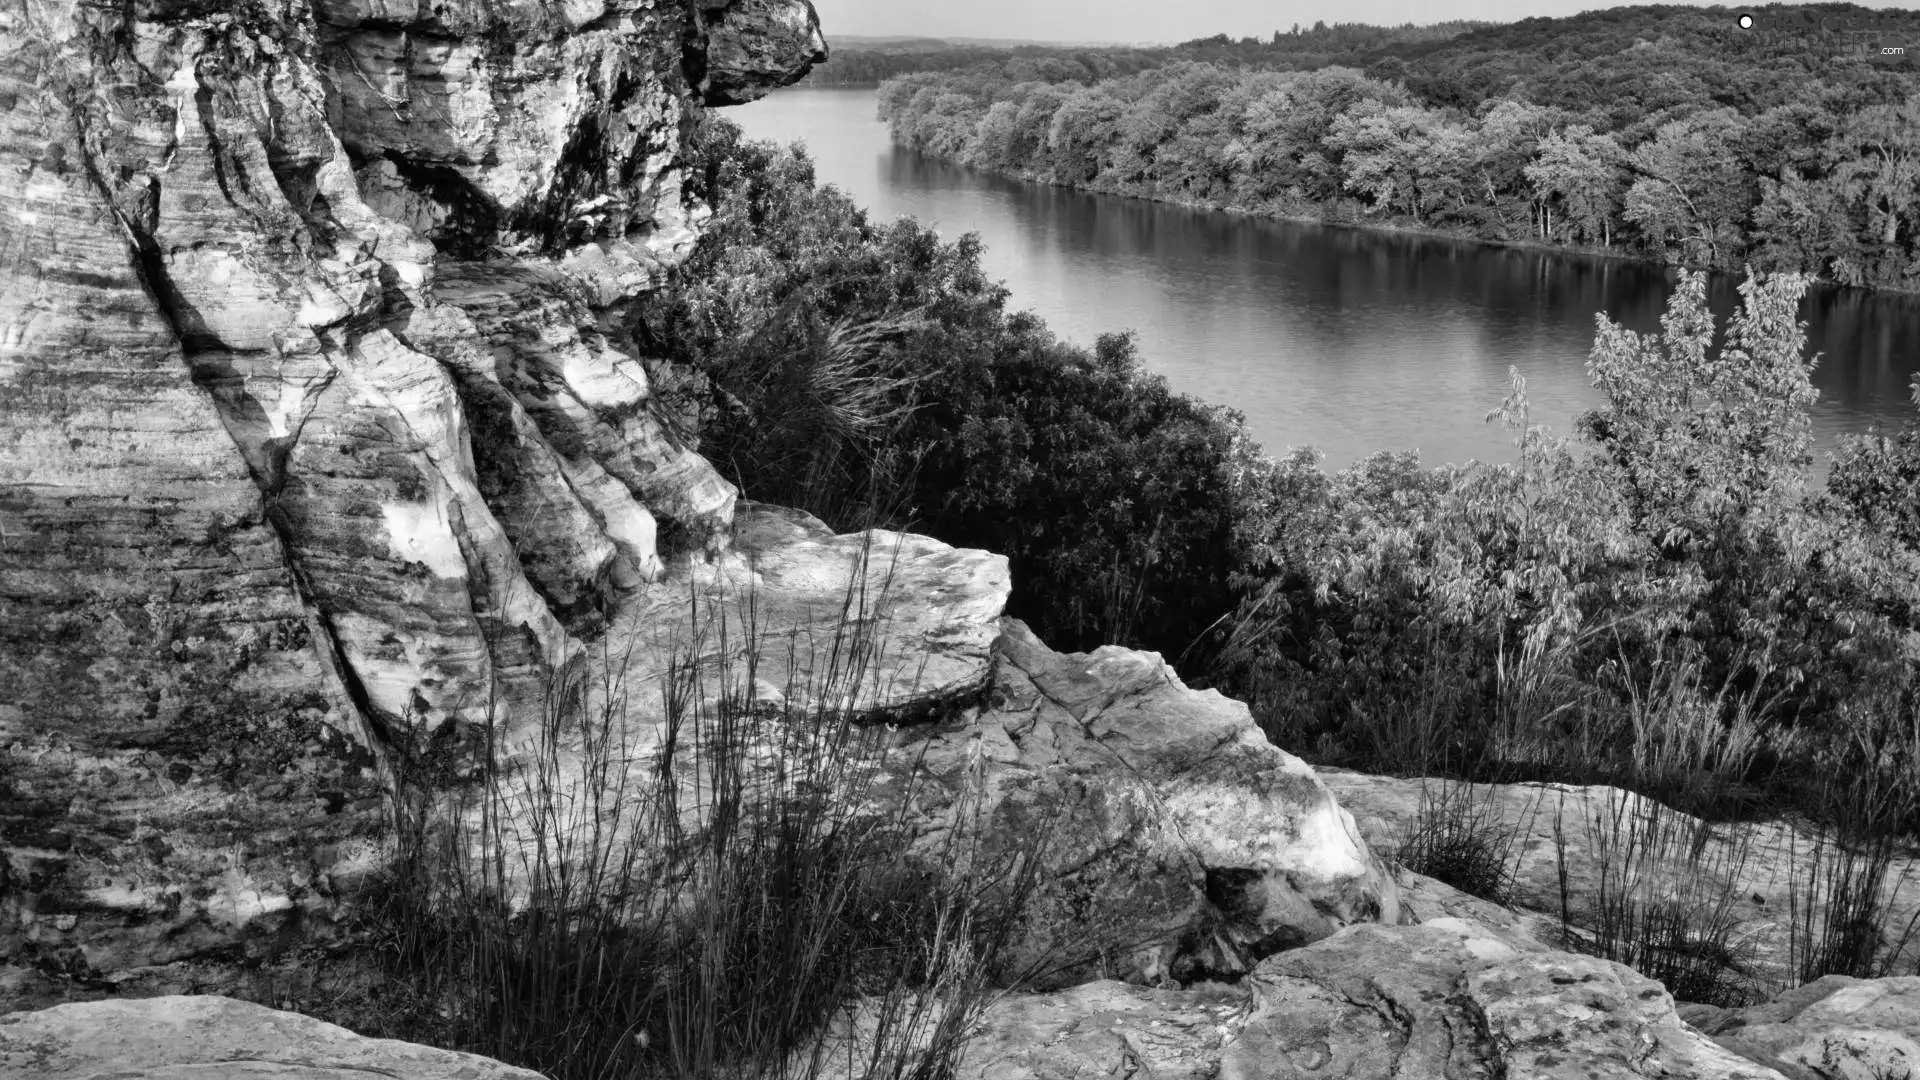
x: 215, y: 1038
x: 880, y: 623
x: 1667, y: 854
x: 1447, y: 1000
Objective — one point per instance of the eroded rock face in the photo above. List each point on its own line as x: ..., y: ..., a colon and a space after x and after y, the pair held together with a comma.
x: 215, y: 1037
x: 1180, y: 844
x: 313, y: 437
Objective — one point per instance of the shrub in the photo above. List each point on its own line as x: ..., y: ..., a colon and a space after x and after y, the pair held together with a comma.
x: 1461, y: 837
x: 862, y: 371
x: 1876, y: 477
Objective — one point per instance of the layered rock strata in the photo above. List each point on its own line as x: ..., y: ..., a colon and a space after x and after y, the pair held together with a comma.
x: 317, y: 439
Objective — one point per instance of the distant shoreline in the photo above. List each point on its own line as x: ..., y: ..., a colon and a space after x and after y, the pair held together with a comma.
x: 1347, y: 215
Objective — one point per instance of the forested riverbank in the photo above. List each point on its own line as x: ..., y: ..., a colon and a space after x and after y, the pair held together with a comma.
x: 1653, y: 133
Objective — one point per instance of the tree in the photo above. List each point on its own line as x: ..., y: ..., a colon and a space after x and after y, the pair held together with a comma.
x: 1882, y: 163
x: 1703, y: 437
x: 992, y: 146
x: 1082, y: 131
x: 1691, y: 188
x: 1284, y: 130
x: 1399, y: 156
x: 1494, y: 160
x: 1582, y: 173
x: 1806, y: 225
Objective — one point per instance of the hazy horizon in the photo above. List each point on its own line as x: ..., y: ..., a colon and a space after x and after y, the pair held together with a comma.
x: 1141, y: 21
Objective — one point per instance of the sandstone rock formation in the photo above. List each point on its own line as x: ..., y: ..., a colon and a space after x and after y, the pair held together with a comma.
x: 1449, y: 998
x: 1179, y: 842
x: 215, y: 1037
x: 316, y: 437
x: 322, y: 444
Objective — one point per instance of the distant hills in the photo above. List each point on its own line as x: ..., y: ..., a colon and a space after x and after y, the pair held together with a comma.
x: 884, y: 43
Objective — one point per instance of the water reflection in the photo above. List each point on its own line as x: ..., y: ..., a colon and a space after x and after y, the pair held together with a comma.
x: 1344, y: 339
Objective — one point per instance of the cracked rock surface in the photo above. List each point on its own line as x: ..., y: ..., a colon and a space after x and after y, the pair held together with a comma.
x: 314, y: 440
x: 215, y: 1037
x: 1179, y: 842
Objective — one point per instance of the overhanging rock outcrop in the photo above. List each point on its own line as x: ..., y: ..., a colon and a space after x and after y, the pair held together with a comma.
x: 314, y: 441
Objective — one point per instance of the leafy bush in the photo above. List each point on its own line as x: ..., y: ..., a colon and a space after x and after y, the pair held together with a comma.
x: 1876, y: 477
x: 860, y: 370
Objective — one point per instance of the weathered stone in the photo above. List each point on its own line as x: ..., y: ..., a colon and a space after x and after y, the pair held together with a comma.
x: 1447, y: 1000
x: 1834, y: 1028
x: 215, y: 1038
x: 1179, y: 842
x: 921, y: 615
x: 248, y: 538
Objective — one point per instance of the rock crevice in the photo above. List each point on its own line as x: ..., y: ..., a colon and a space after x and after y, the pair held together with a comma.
x: 273, y: 498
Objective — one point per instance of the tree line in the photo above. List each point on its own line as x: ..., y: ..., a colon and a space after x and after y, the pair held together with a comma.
x: 872, y: 63
x: 1660, y: 133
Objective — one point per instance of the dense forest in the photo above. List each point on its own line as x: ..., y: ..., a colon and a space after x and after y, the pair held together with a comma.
x: 1654, y: 132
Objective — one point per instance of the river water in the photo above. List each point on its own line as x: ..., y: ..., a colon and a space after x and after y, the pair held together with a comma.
x: 1342, y: 339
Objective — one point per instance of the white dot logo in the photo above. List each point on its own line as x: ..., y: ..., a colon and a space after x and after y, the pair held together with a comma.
x: 1746, y: 22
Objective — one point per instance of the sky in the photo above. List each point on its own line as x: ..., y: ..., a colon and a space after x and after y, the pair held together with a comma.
x: 1171, y: 20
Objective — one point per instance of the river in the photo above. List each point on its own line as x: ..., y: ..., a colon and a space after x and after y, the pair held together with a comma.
x: 1346, y: 340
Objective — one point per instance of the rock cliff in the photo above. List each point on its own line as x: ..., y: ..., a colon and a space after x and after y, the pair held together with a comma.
x: 318, y: 438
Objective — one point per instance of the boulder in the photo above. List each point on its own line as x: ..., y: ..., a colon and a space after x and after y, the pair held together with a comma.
x: 753, y: 45
x: 215, y: 1038
x: 1834, y: 1028
x: 1178, y: 842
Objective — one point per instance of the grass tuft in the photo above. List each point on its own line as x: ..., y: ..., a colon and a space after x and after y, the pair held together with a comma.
x: 1461, y: 837
x: 712, y: 901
